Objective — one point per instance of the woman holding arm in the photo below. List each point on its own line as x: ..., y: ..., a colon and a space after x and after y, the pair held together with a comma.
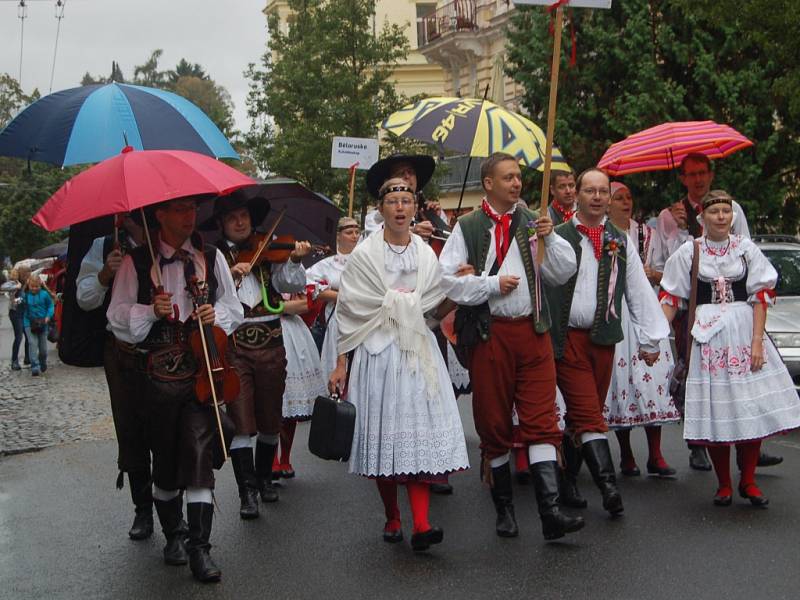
x: 737, y: 391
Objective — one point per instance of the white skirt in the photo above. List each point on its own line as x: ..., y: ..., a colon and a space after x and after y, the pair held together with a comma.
x: 638, y: 394
x: 725, y: 400
x: 458, y: 374
x: 330, y: 347
x: 399, y: 429
x: 304, y: 378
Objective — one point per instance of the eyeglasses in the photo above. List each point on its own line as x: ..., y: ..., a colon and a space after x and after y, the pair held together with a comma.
x: 398, y: 201
x: 602, y: 192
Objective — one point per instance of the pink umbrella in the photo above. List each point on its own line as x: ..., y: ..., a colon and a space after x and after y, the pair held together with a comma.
x: 134, y: 180
x: 663, y: 147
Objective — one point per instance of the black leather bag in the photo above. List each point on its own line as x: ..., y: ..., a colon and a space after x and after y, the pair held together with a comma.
x: 332, y: 424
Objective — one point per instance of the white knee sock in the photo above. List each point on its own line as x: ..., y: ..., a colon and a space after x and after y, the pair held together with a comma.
x: 164, y: 495
x: 268, y: 438
x: 241, y: 441
x: 541, y: 453
x: 199, y: 494
x: 499, y: 461
x: 592, y: 435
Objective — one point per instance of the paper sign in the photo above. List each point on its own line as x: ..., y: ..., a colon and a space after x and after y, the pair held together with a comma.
x: 347, y: 151
x: 571, y: 3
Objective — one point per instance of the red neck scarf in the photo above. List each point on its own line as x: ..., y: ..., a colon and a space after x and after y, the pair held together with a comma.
x: 502, y: 233
x: 595, y: 235
x: 566, y: 215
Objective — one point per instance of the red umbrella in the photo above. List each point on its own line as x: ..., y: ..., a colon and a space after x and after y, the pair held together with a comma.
x: 136, y: 179
x: 663, y: 147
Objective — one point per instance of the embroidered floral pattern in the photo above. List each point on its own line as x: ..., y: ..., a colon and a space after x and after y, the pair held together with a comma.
x: 733, y: 360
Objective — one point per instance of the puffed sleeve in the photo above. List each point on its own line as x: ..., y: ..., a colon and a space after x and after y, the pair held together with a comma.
x: 90, y: 293
x: 228, y: 309
x: 559, y: 262
x: 289, y: 277
x: 761, y: 275
x: 676, y: 284
x: 643, y: 305
x: 129, y: 321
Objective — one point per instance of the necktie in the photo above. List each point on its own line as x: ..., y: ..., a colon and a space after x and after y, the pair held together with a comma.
x: 183, y: 256
x: 595, y: 235
x: 502, y: 234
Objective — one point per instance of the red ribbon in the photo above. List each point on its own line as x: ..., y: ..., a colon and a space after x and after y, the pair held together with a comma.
x: 764, y: 294
x: 666, y: 298
x: 551, y: 11
x: 502, y: 232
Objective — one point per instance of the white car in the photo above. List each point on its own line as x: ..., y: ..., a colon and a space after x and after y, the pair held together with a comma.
x: 783, y: 319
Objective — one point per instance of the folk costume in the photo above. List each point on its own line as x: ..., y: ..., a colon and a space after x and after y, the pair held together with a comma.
x: 726, y: 402
x: 638, y: 395
x: 586, y: 326
x: 408, y: 429
x: 511, y: 363
x: 128, y: 412
x: 327, y: 274
x: 184, y: 436
x: 258, y: 353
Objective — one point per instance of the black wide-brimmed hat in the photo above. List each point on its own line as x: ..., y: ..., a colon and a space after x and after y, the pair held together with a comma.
x: 378, y: 173
x: 258, y: 208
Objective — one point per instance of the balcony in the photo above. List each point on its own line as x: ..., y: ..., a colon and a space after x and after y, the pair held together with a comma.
x: 458, y: 15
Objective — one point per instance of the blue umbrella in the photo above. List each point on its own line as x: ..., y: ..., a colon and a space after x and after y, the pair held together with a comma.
x: 91, y: 123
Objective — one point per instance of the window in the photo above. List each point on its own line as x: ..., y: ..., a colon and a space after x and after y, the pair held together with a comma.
x: 424, y: 9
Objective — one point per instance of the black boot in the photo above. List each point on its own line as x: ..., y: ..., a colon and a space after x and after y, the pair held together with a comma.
x: 698, y: 458
x: 597, y: 455
x: 170, y: 514
x: 245, y: 472
x: 768, y: 460
x: 200, y: 516
x: 265, y: 454
x: 506, y: 525
x: 142, y: 496
x: 569, y: 495
x: 555, y: 524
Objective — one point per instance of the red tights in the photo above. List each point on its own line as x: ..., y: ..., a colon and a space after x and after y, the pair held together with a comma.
x: 748, y: 459
x: 287, y: 438
x: 655, y: 458
x: 419, y: 495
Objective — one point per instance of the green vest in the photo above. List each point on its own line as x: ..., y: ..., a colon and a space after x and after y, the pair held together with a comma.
x: 603, y: 333
x: 476, y: 227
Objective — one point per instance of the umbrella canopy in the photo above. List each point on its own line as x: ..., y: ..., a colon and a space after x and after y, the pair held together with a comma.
x: 309, y: 216
x: 134, y: 180
x: 92, y: 123
x: 57, y: 249
x: 663, y: 147
x: 473, y: 127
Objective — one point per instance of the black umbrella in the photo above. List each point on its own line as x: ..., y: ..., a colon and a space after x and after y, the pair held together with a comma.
x: 57, y: 249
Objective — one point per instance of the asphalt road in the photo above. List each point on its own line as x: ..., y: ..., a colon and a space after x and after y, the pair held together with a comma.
x: 63, y: 535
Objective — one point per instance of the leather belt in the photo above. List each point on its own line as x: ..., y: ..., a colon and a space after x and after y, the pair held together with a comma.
x: 255, y: 336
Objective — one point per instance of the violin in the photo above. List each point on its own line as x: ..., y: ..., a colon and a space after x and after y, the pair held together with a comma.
x: 278, y: 250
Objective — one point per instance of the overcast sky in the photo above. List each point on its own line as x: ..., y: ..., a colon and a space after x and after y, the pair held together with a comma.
x: 222, y: 35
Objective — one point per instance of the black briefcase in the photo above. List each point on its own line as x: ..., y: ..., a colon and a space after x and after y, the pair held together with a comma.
x: 332, y: 425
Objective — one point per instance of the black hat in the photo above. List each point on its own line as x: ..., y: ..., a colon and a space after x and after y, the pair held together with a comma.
x: 378, y: 173
x: 258, y: 208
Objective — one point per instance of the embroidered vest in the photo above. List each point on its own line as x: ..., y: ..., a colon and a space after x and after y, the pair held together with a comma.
x: 603, y: 333
x: 262, y: 272
x: 476, y: 227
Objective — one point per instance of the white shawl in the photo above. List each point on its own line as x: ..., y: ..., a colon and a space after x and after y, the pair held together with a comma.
x: 365, y: 304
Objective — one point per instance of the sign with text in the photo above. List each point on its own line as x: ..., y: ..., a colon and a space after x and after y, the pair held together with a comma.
x: 347, y: 151
x: 571, y: 3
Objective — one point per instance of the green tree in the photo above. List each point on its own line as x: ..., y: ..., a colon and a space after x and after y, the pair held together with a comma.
x: 12, y: 98
x: 211, y: 98
x: 185, y: 69
x: 643, y: 63
x: 328, y: 75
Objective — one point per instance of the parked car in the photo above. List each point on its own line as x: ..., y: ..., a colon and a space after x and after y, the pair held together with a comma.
x: 783, y: 319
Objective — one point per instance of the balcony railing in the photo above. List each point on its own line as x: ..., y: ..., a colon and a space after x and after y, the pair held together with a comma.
x: 458, y: 15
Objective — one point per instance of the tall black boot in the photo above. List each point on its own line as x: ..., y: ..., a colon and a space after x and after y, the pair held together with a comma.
x: 545, y: 481
x: 170, y: 514
x: 569, y: 494
x: 245, y: 472
x: 597, y: 455
x: 265, y: 454
x: 201, y: 516
x: 506, y: 525
x: 698, y: 458
x: 142, y: 496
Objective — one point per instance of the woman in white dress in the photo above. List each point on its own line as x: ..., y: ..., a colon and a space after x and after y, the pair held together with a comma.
x: 408, y: 429
x: 738, y: 390
x: 638, y: 395
x: 326, y: 275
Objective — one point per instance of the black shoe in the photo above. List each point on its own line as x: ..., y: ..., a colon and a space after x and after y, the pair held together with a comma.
x: 597, y: 455
x: 698, y: 458
x: 506, y: 524
x: 660, y: 471
x: 142, y: 497
x: 15, y: 366
x: 200, y: 516
x: 422, y: 541
x: 630, y: 471
x: 443, y: 489
x: 555, y: 524
x: 721, y: 499
x: 758, y: 500
x: 244, y: 471
x: 142, y: 527
x: 768, y: 460
x: 170, y: 514
x: 265, y: 454
x: 569, y: 494
x: 393, y: 537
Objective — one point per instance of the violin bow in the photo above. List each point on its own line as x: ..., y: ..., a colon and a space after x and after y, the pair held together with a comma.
x: 268, y: 237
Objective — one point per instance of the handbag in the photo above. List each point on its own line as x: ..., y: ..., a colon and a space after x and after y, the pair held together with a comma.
x: 677, y: 383
x: 38, y: 325
x: 333, y: 423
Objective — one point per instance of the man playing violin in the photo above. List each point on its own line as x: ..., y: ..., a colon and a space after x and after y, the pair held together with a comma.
x: 257, y: 351
x: 154, y: 323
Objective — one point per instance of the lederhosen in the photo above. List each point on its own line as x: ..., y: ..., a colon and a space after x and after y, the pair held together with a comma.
x: 256, y: 351
x: 183, y: 433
